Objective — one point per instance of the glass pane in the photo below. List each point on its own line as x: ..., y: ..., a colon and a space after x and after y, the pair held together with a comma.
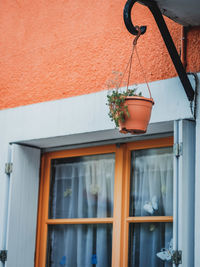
x: 150, y: 244
x: 79, y: 245
x: 151, y: 192
x: 82, y: 187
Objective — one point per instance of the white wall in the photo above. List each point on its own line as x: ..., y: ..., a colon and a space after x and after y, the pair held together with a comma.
x: 87, y: 113
x: 78, y: 119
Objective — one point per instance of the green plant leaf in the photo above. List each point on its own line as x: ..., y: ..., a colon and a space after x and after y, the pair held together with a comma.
x: 115, y: 101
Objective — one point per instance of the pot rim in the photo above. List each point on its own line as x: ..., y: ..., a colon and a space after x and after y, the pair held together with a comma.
x: 140, y: 98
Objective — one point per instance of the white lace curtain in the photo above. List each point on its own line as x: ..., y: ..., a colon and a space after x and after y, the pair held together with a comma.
x: 82, y: 189
x: 151, y: 195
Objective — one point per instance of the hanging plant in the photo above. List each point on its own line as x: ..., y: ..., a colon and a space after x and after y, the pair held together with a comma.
x: 131, y: 112
x: 118, y: 109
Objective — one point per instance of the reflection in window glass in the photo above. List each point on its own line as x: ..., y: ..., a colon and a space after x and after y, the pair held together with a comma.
x: 150, y: 244
x: 82, y: 187
x: 79, y: 245
x: 151, y: 182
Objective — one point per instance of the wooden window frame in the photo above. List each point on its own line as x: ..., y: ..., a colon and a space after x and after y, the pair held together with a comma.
x: 120, y: 220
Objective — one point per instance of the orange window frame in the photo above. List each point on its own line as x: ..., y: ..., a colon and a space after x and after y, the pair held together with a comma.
x: 120, y: 219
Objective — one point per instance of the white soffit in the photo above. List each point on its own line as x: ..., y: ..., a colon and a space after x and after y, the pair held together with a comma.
x: 155, y: 130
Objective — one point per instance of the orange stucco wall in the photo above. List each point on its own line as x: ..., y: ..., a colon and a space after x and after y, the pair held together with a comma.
x: 56, y: 49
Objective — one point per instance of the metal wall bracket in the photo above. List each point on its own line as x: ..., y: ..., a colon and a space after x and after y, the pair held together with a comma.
x: 8, y: 168
x: 177, y: 257
x: 178, y: 149
x: 3, y: 255
x: 152, y: 5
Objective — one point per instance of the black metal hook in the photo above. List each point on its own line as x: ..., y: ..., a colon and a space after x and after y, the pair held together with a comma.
x: 153, y: 7
x: 127, y: 19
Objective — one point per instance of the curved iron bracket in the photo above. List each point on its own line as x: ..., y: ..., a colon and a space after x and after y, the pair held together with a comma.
x: 166, y: 37
x: 127, y: 19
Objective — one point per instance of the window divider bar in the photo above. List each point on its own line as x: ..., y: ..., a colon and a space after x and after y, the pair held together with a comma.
x: 126, y: 198
x: 118, y: 205
x: 79, y: 221
x: 149, y: 219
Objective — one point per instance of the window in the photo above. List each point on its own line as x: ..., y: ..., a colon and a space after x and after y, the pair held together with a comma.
x: 107, y: 206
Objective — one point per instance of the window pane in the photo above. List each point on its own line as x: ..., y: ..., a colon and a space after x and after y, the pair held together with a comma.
x: 151, y: 182
x: 79, y: 245
x: 150, y: 244
x: 82, y: 187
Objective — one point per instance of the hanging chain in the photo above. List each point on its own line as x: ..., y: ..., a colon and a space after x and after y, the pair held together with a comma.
x: 129, y: 64
x: 143, y: 72
x: 131, y: 57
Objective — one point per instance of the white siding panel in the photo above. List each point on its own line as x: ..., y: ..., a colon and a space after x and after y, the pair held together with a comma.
x: 23, y: 201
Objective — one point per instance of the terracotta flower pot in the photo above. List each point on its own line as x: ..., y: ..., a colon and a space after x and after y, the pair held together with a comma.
x: 139, y: 109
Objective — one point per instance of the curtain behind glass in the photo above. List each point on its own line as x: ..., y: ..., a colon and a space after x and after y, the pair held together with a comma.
x: 151, y: 195
x: 152, y: 183
x: 81, y: 189
x: 79, y: 245
x: 148, y: 239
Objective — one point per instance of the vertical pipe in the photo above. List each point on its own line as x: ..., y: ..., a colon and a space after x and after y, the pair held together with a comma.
x: 184, y: 46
